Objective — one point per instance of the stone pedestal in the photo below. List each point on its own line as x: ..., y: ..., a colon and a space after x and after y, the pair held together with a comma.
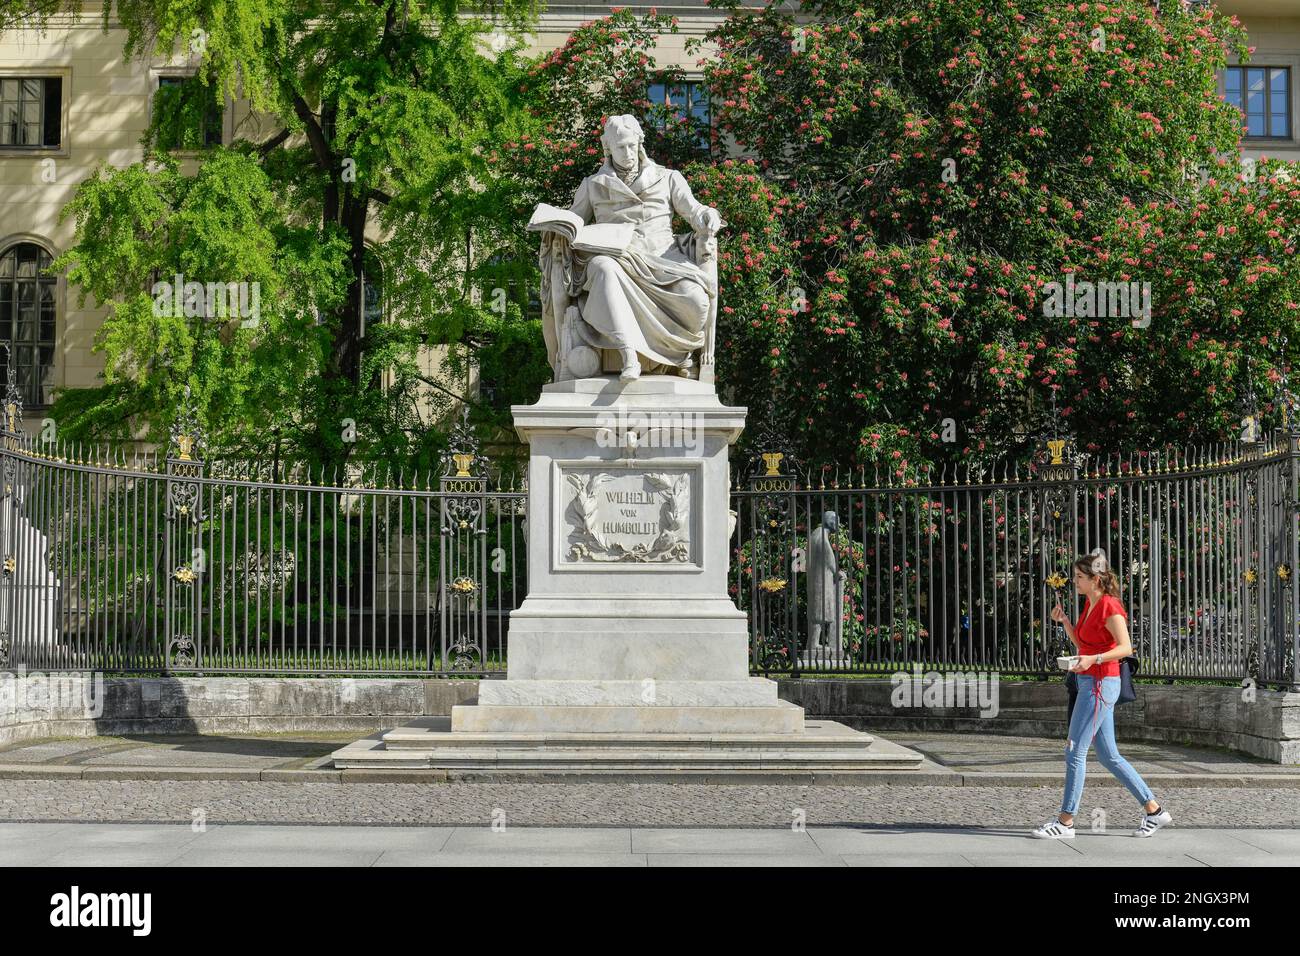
x: 628, y: 653
x: 823, y: 658
x: 627, y: 626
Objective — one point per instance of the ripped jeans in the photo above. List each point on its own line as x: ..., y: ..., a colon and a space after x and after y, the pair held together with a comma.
x: 1093, y: 720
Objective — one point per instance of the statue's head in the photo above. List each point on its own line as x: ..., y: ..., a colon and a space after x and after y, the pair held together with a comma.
x: 830, y: 521
x: 623, y: 142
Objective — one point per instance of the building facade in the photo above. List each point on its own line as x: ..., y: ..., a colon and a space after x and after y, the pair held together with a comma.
x: 70, y: 102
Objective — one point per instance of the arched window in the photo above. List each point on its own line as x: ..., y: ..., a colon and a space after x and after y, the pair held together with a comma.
x: 372, y: 291
x: 28, y: 297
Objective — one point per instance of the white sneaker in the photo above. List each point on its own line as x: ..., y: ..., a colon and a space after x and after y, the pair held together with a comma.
x: 1054, y: 829
x: 1152, y: 822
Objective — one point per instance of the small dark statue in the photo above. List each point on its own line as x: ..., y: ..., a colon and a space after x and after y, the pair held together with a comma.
x: 825, y: 594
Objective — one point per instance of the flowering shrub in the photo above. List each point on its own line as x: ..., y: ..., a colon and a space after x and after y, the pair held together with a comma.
x: 943, y: 160
x: 909, y: 177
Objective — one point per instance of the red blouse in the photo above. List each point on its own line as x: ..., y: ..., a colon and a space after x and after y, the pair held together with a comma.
x: 1094, y: 638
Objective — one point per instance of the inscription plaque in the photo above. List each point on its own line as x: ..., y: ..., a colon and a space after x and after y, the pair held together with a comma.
x: 633, y: 515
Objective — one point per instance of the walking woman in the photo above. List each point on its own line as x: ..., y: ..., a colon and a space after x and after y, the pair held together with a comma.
x: 1102, y: 640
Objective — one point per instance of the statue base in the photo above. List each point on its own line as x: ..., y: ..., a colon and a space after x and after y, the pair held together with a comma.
x: 627, y: 651
x: 824, y: 751
x: 822, y: 660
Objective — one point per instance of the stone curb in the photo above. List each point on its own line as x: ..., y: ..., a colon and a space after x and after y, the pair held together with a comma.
x: 887, y: 778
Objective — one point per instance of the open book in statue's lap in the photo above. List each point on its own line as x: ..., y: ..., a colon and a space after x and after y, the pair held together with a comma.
x: 615, y: 278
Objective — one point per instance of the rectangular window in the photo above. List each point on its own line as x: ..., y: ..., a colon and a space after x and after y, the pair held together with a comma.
x: 31, y: 112
x: 186, y: 113
x: 1263, y: 94
x: 681, y: 103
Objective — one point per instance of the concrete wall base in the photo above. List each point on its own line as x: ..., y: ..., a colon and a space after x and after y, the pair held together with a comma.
x: 1195, y: 714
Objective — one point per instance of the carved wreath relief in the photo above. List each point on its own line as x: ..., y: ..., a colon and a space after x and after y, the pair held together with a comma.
x: 628, y: 516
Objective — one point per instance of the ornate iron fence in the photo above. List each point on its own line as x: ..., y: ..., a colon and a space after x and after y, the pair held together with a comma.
x: 179, y: 565
x: 961, y: 570
x: 171, y: 563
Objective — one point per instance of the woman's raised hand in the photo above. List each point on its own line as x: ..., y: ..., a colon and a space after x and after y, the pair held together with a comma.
x: 1058, y: 613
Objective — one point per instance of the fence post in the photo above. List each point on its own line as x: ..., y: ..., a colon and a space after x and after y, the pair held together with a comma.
x: 773, y: 604
x: 9, y: 508
x: 183, y: 562
x: 462, y: 551
x: 1289, y: 618
x: 1251, y: 549
x: 1156, y: 582
x: 1058, y: 464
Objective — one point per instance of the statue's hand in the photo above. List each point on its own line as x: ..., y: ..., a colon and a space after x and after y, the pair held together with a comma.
x: 712, y: 221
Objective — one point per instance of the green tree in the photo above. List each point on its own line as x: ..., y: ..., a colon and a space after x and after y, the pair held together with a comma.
x: 387, y: 112
x: 15, y: 14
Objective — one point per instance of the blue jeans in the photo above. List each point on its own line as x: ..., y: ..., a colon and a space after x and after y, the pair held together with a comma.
x: 1093, y: 721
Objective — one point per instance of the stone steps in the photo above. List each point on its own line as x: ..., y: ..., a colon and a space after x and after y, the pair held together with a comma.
x: 823, y: 745
x: 778, y: 717
x: 435, y: 732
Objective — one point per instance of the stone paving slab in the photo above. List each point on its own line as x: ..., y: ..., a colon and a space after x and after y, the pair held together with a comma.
x: 201, y: 750
x: 156, y: 756
x: 299, y: 856
x: 497, y: 859
x: 115, y: 856
x: 770, y: 842
x: 740, y: 859
x: 1284, y: 840
x: 909, y: 859
x: 237, y: 846
x: 989, y: 840
x: 558, y: 839
x: 48, y: 751
x: 422, y: 839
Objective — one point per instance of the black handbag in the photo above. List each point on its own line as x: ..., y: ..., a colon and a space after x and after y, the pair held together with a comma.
x: 1127, y: 668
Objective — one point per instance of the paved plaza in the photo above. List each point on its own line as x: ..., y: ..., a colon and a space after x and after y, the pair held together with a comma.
x: 274, y: 801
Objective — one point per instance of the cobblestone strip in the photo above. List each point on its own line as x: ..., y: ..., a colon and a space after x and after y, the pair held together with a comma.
x: 635, y: 805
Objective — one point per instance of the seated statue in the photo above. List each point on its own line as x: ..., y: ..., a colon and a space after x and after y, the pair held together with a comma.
x: 654, y: 304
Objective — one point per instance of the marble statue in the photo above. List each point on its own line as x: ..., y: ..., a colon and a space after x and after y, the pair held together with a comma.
x: 643, y: 295
x: 629, y: 642
x: 825, y: 590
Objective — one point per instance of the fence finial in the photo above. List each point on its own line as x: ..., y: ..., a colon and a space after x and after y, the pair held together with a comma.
x: 462, y: 458
x: 771, y: 462
x: 186, y: 438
